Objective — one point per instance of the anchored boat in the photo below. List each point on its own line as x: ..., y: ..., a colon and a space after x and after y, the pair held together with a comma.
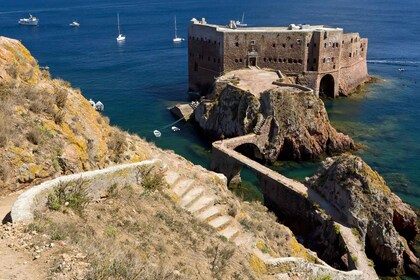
x: 74, y: 23
x: 177, y: 39
x: 157, y: 133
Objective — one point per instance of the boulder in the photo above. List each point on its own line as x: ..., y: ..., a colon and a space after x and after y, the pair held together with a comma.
x: 385, y: 224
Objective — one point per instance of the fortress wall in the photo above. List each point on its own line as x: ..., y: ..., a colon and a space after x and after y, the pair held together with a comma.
x: 351, y: 50
x: 286, y: 51
x: 205, y: 56
x: 329, y: 54
x: 353, y: 76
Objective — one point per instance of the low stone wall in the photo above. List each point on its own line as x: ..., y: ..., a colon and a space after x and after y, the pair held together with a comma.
x: 97, y: 182
x: 305, y: 270
x: 303, y: 88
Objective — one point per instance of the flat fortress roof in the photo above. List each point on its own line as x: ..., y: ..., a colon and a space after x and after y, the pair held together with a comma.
x: 290, y: 28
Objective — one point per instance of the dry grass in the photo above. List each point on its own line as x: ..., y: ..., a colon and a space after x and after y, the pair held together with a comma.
x: 141, y: 234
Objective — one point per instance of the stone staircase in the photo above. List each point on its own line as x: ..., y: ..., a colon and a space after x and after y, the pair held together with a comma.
x: 203, y: 204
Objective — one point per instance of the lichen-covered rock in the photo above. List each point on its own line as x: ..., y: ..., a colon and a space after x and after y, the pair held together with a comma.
x: 367, y: 204
x: 47, y: 128
x: 300, y: 126
x: 302, y: 129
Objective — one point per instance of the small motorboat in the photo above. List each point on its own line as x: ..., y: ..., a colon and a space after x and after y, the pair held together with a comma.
x: 157, y: 133
x: 401, y: 69
x: 174, y: 128
x: 32, y: 21
x: 74, y: 23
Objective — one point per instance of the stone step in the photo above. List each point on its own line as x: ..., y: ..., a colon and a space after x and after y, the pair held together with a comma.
x: 172, y: 177
x: 201, y: 204
x: 221, y: 222
x: 191, y: 196
x: 230, y: 232
x: 182, y: 187
x: 209, y: 213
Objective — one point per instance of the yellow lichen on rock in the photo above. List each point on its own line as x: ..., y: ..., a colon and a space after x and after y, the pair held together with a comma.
x: 257, y: 265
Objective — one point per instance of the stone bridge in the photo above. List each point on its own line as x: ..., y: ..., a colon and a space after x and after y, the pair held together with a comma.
x: 303, y: 209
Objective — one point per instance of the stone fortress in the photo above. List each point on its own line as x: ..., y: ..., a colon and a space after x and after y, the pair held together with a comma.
x: 320, y: 57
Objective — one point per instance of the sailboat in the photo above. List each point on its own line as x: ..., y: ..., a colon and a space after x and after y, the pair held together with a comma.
x: 241, y: 23
x: 177, y: 39
x: 120, y: 37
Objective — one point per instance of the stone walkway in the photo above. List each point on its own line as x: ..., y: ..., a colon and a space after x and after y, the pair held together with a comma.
x: 353, y: 244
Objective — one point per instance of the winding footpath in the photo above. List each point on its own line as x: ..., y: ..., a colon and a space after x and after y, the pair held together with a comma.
x: 194, y: 189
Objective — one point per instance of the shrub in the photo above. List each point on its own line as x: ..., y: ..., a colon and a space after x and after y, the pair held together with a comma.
x: 220, y: 257
x: 151, y: 179
x: 61, y: 98
x: 4, y: 170
x: 34, y: 136
x: 117, y: 143
x: 37, y: 106
x: 59, y: 117
x: 72, y: 194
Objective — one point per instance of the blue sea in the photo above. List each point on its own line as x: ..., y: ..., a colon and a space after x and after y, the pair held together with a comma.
x: 140, y: 78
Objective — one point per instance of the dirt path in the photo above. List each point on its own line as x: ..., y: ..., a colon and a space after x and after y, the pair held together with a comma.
x: 16, y: 263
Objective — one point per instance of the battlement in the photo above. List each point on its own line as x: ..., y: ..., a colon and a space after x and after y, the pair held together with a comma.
x: 307, y: 52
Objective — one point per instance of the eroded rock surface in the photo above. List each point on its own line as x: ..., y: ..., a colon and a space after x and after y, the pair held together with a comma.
x: 300, y: 128
x: 386, y: 225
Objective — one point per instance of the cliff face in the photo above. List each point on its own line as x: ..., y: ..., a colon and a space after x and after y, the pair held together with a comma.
x: 48, y: 128
x: 300, y: 127
x: 386, y: 225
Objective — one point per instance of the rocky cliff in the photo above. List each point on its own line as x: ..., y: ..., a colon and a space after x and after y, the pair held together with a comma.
x: 385, y: 224
x: 300, y: 128
x: 47, y: 128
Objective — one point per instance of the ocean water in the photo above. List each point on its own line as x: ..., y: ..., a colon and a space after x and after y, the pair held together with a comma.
x: 138, y: 79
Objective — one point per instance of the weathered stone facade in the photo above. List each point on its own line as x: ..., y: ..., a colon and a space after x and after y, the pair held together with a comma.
x: 320, y: 57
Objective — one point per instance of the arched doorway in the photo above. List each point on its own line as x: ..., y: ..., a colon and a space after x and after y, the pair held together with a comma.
x: 326, y: 86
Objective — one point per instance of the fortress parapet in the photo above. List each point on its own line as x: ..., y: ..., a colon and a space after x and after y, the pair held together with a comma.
x: 321, y: 57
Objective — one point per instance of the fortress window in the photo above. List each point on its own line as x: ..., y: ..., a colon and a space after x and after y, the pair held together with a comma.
x: 325, y: 45
x: 240, y: 60
x: 298, y: 41
x: 300, y: 61
x: 236, y: 60
x: 362, y: 49
x: 274, y: 45
x: 337, y: 45
x: 237, y: 44
x: 349, y: 54
x: 269, y: 59
x: 284, y: 60
x: 265, y: 59
x: 252, y: 42
x: 351, y: 41
x: 342, y: 42
x: 275, y: 59
x: 334, y: 66
x: 284, y: 45
x: 289, y: 60
x: 214, y: 60
x: 291, y: 46
x: 323, y: 61
x: 295, y: 61
x: 332, y: 59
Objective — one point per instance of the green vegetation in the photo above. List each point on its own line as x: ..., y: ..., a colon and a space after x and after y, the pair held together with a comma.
x: 70, y: 194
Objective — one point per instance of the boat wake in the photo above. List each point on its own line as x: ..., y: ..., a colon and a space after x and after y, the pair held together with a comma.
x: 398, y: 62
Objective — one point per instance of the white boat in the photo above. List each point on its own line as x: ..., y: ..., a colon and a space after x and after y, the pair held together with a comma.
x: 177, y: 39
x: 157, y: 133
x: 74, y: 23
x: 174, y: 128
x: 32, y: 21
x: 241, y: 23
x: 120, y: 37
x: 401, y: 69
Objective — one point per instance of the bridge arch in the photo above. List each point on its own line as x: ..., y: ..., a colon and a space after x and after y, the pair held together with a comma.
x: 250, y: 150
x: 327, y: 86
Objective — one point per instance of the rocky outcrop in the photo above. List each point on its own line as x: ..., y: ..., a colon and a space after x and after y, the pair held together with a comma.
x: 300, y: 128
x: 385, y: 224
x: 47, y: 128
